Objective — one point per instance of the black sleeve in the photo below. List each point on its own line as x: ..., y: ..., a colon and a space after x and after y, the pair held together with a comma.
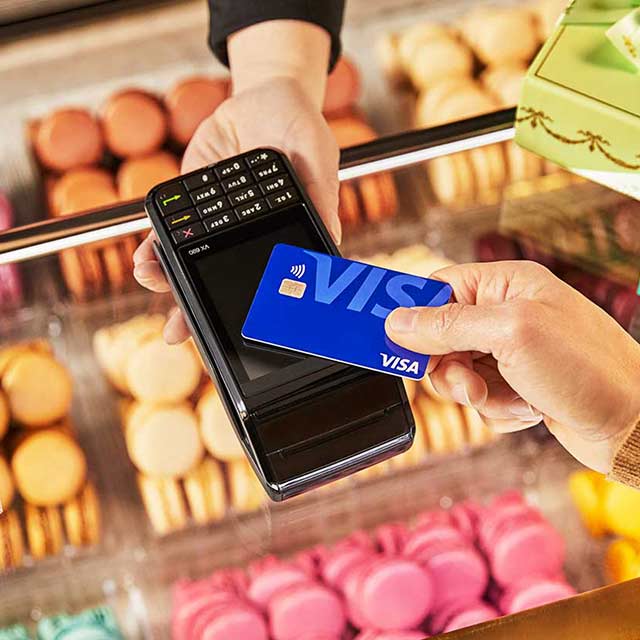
x: 229, y: 16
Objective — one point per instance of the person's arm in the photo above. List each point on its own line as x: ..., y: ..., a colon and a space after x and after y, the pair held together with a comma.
x: 279, y: 70
x: 228, y: 17
x: 521, y: 346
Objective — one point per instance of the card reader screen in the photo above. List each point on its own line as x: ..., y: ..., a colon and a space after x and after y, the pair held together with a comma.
x: 227, y: 275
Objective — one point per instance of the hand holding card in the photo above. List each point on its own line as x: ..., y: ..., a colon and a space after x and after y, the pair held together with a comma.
x: 335, y: 308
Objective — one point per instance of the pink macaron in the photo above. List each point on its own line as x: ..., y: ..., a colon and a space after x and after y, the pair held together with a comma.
x: 188, y: 610
x: 466, y: 516
x: 532, y: 593
x: 433, y: 517
x: 480, y: 612
x: 306, y: 610
x: 391, y: 538
x: 6, y: 212
x: 389, y: 594
x: 428, y: 535
x: 391, y: 635
x: 533, y: 549
x: 232, y: 621
x: 340, y: 562
x: 458, y: 574
x: 273, y: 579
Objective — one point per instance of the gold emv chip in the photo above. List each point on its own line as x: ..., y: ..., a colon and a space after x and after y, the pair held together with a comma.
x: 292, y: 288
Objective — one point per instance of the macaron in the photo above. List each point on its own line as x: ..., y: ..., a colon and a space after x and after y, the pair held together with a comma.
x: 87, y: 198
x: 349, y: 206
x: 38, y: 389
x: 205, y: 490
x: 417, y: 37
x: 7, y: 486
x: 11, y: 541
x: 114, y: 344
x: 82, y: 518
x: 164, y: 503
x: 98, y: 624
x: 622, y: 561
x: 135, y: 124
x: 69, y: 138
x: 44, y: 530
x: 471, y: 615
x: 5, y: 415
x: 533, y: 592
x: 15, y: 631
x: 390, y: 593
x: 245, y: 489
x: 505, y: 82
x: 234, y: 620
x: 349, y: 131
x: 391, y: 538
x: 158, y: 372
x: 49, y: 468
x: 622, y: 510
x: 73, y: 274
x: 527, y: 548
x: 266, y: 584
x: 390, y: 635
x: 74, y: 184
x: 340, y: 562
x: 10, y: 285
x: 626, y: 226
x: 458, y: 573
x: 548, y: 13
x: 429, y: 102
x: 443, y: 57
x: 190, y: 101
x: 522, y: 164
x: 216, y: 430
x: 452, y: 179
x: 163, y: 440
x: 136, y: 176
x: 588, y: 490
x: 194, y: 600
x: 305, y: 610
x: 343, y: 87
x: 389, y: 57
x: 508, y: 34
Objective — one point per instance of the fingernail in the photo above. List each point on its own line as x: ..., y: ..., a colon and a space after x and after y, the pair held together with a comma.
x: 403, y: 320
x: 523, y: 410
x: 145, y: 271
x: 337, y: 231
x: 460, y: 394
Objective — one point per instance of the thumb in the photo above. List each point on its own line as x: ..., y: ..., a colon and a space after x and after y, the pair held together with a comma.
x: 447, y: 329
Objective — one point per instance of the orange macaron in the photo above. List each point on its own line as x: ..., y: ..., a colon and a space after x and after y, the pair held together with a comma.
x: 135, y: 124
x: 137, y: 175
x: 67, y: 139
x: 190, y: 101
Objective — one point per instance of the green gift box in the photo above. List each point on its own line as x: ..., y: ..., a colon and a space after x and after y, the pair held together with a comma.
x: 580, y: 102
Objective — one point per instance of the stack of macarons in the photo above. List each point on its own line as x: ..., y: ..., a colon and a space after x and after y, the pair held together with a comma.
x: 371, y: 198
x: 463, y: 70
x: 617, y: 299
x: 395, y: 583
x: 99, y: 623
x: 40, y: 459
x: 525, y: 554
x: 189, y: 460
x: 10, y: 281
x: 610, y: 508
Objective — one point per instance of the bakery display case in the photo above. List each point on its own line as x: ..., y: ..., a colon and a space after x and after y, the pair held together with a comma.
x: 128, y: 508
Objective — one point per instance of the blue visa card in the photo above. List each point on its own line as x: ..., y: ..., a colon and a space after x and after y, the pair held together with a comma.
x: 334, y: 308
